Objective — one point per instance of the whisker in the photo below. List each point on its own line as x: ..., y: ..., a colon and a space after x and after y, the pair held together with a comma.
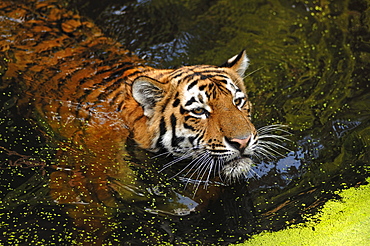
x: 211, y: 167
x: 261, y: 155
x: 267, y: 147
x: 257, y: 156
x: 217, y: 167
x: 199, y: 180
x: 188, y: 153
x: 270, y: 144
x: 167, y: 165
x: 191, y: 165
x: 168, y: 153
x: 200, y: 167
x: 249, y: 74
x: 273, y: 136
x: 208, y: 164
x: 269, y: 152
x: 272, y: 128
x: 254, y: 173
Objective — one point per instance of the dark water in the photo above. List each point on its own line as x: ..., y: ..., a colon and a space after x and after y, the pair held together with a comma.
x: 309, y: 70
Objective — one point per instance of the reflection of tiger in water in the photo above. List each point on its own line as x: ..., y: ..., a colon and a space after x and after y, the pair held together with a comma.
x: 90, y: 96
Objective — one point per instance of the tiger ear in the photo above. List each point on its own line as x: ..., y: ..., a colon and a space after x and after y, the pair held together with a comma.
x: 238, y: 63
x: 147, y: 92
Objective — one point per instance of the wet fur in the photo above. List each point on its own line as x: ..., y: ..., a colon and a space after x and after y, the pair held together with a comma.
x: 89, y: 95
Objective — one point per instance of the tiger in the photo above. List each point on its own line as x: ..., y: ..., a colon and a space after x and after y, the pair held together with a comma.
x: 90, y: 96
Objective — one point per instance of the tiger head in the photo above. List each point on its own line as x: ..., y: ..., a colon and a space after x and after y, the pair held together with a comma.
x: 202, y: 113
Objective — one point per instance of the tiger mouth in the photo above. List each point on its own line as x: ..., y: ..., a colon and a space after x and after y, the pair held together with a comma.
x: 237, y: 168
x: 231, y: 167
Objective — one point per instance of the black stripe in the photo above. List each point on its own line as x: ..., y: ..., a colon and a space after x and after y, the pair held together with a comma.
x: 175, y: 140
x: 106, y: 92
x: 139, y: 117
x: 224, y: 81
x: 177, y: 74
x: 190, y: 102
x: 162, y: 131
x: 84, y: 80
x: 188, y: 117
x: 187, y: 126
x: 220, y: 150
x: 200, y: 97
x: 176, y: 103
x: 135, y: 73
x: 183, y: 111
x: 118, y: 67
x: 110, y: 89
x: 199, y: 138
x: 201, y: 77
x: 117, y: 99
x: 173, y: 125
x: 162, y: 127
x: 207, y: 76
x: 214, y: 93
x: 81, y: 100
x: 202, y: 87
x: 114, y: 75
x: 192, y: 85
x: 64, y: 80
x: 191, y: 140
x: 55, y: 71
x: 180, y: 72
x: 119, y: 106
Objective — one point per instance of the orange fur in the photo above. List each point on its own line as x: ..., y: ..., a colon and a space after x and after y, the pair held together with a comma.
x: 77, y: 85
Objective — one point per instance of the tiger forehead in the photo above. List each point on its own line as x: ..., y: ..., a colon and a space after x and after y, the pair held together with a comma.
x: 200, y: 84
x: 201, y: 73
x: 211, y: 85
x: 202, y: 93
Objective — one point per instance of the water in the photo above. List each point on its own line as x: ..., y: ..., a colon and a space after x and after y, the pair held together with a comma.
x: 309, y: 71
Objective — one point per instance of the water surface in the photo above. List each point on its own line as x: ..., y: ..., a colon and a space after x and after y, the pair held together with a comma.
x: 309, y: 70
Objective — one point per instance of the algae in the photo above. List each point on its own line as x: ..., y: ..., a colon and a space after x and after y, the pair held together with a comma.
x: 340, y: 222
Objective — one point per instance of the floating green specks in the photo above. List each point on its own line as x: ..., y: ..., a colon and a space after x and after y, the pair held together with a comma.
x: 343, y: 222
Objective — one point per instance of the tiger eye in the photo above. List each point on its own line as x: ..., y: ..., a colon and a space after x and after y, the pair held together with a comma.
x: 199, y: 111
x: 238, y: 101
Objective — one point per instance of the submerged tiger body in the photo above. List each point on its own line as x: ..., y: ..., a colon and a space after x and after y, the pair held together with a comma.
x: 90, y: 95
x: 86, y: 88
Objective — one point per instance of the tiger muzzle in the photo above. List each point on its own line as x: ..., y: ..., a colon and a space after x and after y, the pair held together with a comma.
x: 240, y: 143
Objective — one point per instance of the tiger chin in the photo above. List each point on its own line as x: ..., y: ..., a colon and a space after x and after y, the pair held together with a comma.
x: 201, y: 113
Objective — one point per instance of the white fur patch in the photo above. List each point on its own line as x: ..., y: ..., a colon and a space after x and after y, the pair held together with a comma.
x: 244, y: 64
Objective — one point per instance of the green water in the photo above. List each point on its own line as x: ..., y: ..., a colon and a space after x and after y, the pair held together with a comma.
x: 309, y: 70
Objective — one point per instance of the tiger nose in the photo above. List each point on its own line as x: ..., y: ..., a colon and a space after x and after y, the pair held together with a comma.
x: 240, y: 143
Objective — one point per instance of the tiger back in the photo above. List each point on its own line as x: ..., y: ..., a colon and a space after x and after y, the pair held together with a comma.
x: 59, y: 60
x: 61, y: 64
